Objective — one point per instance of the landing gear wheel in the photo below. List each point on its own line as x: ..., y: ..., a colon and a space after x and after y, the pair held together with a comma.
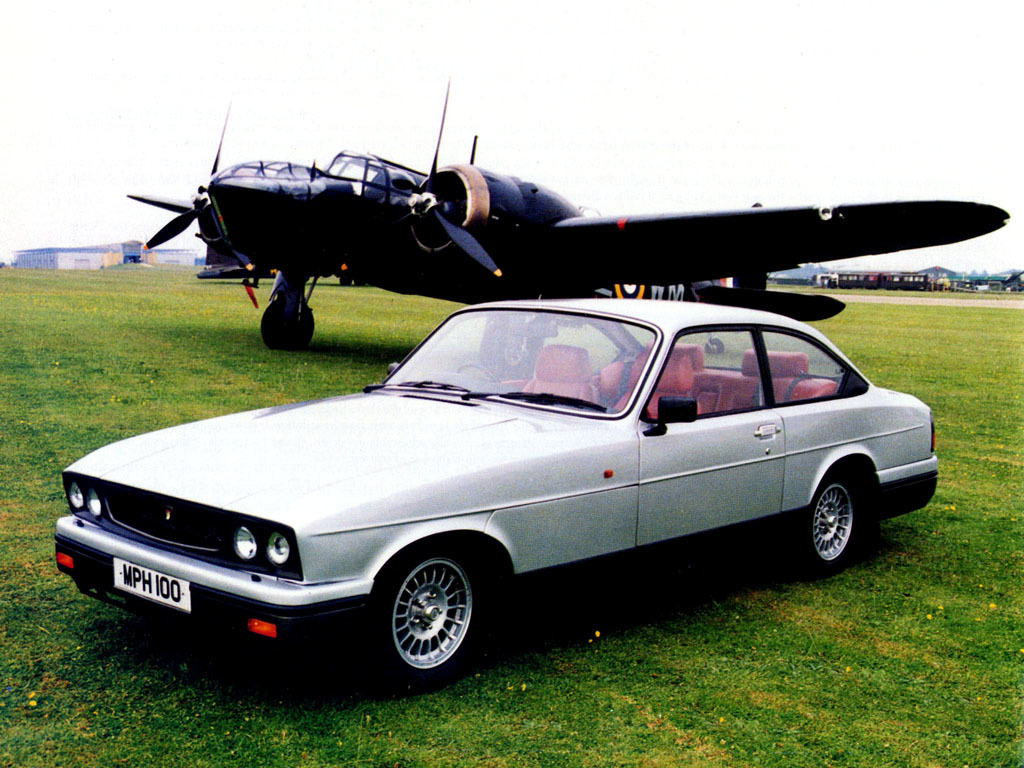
x: 278, y: 334
x: 423, y: 617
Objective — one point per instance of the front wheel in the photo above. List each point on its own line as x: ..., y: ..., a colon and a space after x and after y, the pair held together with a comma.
x: 424, y: 618
x: 279, y: 333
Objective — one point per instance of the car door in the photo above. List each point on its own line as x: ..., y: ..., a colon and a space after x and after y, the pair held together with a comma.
x: 726, y: 466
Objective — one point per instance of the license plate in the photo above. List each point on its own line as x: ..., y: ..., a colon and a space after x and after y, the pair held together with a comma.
x: 152, y: 585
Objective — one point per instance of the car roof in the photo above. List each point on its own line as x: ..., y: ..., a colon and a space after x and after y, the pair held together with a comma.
x: 669, y: 315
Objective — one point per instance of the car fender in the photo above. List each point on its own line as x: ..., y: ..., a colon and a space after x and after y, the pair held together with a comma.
x: 363, y: 553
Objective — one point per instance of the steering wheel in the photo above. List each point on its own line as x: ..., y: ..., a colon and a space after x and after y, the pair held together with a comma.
x: 479, y: 371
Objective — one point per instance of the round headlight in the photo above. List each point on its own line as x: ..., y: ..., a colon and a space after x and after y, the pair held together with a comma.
x: 278, y: 549
x: 245, y: 543
x: 75, y: 496
x: 95, y: 505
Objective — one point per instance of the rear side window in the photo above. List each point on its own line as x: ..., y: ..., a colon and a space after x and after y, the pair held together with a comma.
x: 802, y: 370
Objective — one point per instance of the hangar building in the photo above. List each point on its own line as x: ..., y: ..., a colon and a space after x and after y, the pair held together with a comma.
x: 101, y: 256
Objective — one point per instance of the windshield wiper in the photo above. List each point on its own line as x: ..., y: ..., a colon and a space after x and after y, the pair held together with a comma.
x: 541, y: 398
x: 438, y: 385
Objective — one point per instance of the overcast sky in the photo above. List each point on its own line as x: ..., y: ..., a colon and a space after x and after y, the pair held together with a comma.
x: 623, y: 107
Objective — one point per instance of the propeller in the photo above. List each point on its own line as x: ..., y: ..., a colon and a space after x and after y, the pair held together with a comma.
x: 437, y: 149
x: 220, y: 144
x: 466, y: 242
x: 426, y: 203
x: 189, y: 212
x: 175, y: 226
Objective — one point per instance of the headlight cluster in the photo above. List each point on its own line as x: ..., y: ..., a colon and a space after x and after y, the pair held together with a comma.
x: 208, y: 533
x: 81, y: 500
x: 246, y: 546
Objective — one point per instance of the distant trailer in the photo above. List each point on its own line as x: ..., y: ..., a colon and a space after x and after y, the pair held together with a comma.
x: 891, y: 281
x: 905, y: 281
x: 858, y: 279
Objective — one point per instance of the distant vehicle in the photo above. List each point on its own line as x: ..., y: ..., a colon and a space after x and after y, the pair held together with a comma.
x: 517, y: 437
x: 827, y: 280
x: 894, y: 281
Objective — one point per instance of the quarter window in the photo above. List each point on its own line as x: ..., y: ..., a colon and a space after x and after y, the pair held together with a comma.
x: 800, y: 369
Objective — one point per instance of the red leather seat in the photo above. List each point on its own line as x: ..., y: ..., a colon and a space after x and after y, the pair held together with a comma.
x: 677, y: 377
x: 717, y: 390
x: 563, y: 370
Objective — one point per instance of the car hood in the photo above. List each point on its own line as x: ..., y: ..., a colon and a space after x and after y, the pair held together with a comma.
x: 300, y: 462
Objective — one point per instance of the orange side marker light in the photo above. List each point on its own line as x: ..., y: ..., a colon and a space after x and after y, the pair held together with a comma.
x: 265, y: 628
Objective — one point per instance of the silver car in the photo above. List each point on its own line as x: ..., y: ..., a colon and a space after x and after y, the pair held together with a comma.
x: 517, y: 436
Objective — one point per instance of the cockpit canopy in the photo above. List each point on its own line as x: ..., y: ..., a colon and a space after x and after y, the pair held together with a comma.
x: 373, y: 177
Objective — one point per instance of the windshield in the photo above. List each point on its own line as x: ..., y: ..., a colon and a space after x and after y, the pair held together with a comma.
x: 547, y: 358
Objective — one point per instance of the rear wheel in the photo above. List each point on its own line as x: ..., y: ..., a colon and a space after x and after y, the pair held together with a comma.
x: 834, y: 526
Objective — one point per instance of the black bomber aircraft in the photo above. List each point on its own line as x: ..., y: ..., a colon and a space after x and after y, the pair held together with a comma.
x: 467, y: 234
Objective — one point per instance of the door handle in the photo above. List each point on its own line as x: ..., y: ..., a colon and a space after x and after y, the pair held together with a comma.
x: 767, y: 430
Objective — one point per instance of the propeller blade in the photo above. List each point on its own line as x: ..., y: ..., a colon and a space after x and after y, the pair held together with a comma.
x: 174, y: 206
x: 433, y: 166
x: 472, y: 154
x: 173, y: 228
x: 467, y: 243
x: 216, y: 160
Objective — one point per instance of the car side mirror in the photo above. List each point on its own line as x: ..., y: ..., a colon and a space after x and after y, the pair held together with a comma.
x: 392, y: 367
x: 676, y: 410
x: 673, y: 410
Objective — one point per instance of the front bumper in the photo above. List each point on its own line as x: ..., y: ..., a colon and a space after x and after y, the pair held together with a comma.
x: 300, y: 616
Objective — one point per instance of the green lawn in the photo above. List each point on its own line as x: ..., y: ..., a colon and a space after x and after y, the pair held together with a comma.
x: 714, y: 657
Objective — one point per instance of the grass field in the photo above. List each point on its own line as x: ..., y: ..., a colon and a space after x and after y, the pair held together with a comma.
x: 912, y: 658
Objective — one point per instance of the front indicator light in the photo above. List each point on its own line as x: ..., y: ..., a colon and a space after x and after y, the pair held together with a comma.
x: 93, y: 500
x: 244, y: 543
x: 278, y: 549
x: 259, y: 627
x: 75, y: 497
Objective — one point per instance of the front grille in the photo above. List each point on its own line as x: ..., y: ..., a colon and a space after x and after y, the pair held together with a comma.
x: 170, y: 520
x: 184, y: 526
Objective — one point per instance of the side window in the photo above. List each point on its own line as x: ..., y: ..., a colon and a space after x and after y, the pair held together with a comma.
x: 800, y: 369
x: 717, y: 368
x: 376, y: 186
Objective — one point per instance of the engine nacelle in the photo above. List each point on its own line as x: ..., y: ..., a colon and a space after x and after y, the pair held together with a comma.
x: 465, y: 200
x: 477, y: 199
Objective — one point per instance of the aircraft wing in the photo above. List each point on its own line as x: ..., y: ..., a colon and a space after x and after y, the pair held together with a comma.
x: 673, y: 248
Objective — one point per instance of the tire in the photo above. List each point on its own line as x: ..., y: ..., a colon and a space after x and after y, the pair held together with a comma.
x: 280, y: 335
x: 425, y: 618
x: 834, y: 526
